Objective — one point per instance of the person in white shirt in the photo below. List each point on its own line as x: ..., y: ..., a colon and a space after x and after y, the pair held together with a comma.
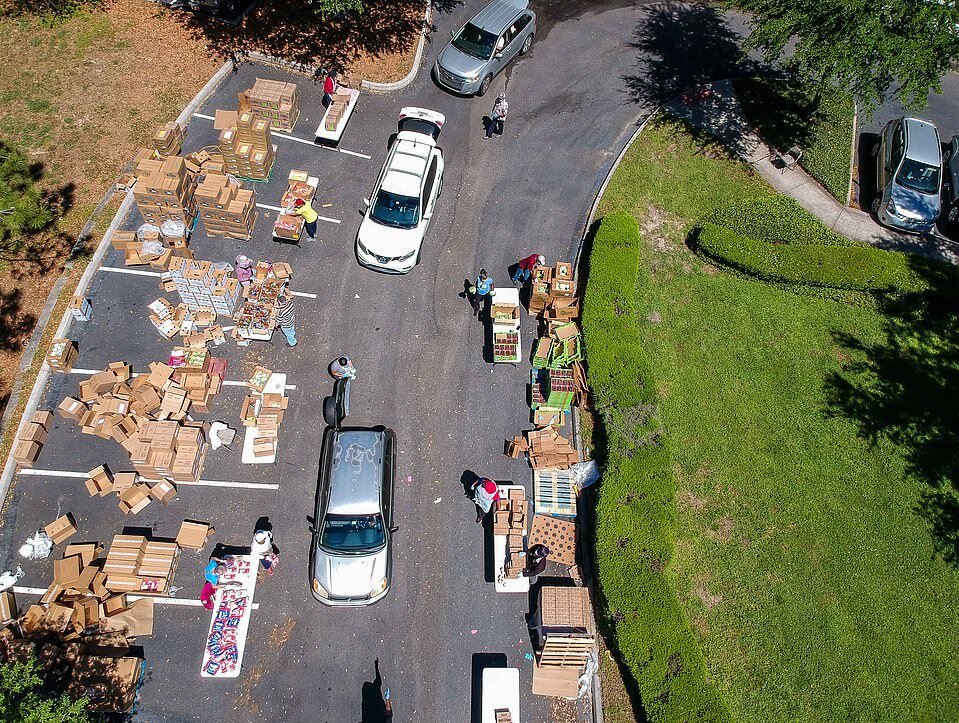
x: 262, y: 550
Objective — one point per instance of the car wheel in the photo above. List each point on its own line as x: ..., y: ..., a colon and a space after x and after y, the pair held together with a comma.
x: 953, y: 215
x: 527, y: 44
x: 484, y: 86
x: 875, y: 204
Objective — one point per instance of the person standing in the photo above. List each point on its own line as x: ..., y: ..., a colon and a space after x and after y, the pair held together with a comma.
x: 536, y: 559
x: 485, y: 493
x: 342, y: 368
x: 262, y: 550
x: 285, y: 317
x: 309, y: 214
x: 329, y: 88
x: 524, y: 269
x: 482, y: 291
x: 497, y: 116
x: 243, y: 270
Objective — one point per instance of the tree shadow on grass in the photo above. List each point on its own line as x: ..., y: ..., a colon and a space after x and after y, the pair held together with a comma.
x: 905, y: 389
x: 291, y: 31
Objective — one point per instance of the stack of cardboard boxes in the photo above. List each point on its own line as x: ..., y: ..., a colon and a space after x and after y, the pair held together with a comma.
x: 137, y: 565
x: 137, y: 251
x: 62, y: 355
x: 227, y: 209
x: 147, y: 416
x: 290, y: 226
x: 509, y: 519
x: 164, y: 191
x: 553, y: 293
x: 31, y: 438
x: 202, y: 287
x: 168, y: 140
x: 275, y: 101
x: 263, y: 411
x: 546, y: 449
x: 247, y: 147
x: 336, y: 111
x: 256, y: 317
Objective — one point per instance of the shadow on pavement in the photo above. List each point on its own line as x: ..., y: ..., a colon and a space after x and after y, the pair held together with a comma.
x: 865, y: 179
x: 905, y: 389
x: 481, y: 661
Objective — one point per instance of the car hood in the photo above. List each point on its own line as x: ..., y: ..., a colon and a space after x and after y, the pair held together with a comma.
x: 387, y: 241
x: 914, y: 205
x: 352, y: 576
x: 459, y: 63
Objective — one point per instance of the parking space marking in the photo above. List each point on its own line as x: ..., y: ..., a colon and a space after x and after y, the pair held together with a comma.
x: 298, y: 140
x: 120, y: 270
x: 175, y: 601
x: 280, y: 210
x: 226, y: 383
x: 199, y: 483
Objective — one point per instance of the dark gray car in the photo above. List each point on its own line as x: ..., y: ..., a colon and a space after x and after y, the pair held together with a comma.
x: 951, y: 161
x: 484, y: 46
x: 351, y: 552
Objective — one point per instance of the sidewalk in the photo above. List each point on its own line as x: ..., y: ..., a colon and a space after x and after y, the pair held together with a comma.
x: 721, y: 116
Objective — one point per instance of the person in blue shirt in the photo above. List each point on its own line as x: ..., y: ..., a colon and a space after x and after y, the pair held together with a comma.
x: 482, y: 291
x: 214, y: 569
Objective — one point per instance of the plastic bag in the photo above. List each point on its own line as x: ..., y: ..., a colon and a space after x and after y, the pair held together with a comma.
x: 172, y: 228
x: 9, y: 578
x: 37, y: 547
x: 147, y: 228
x: 584, y: 473
x: 153, y: 248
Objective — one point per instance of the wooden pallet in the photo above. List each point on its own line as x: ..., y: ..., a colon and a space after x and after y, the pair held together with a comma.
x: 566, y: 651
x: 554, y: 491
x: 558, y: 535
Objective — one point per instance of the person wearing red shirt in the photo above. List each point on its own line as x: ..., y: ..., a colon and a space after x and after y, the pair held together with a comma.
x: 524, y: 269
x: 329, y: 87
x: 485, y: 493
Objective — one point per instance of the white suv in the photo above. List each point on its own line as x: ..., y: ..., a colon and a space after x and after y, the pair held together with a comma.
x: 401, y: 205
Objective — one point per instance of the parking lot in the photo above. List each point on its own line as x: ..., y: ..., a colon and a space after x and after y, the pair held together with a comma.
x: 419, y: 354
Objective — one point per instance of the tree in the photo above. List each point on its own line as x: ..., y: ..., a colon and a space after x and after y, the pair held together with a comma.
x: 23, y: 207
x: 870, y: 47
x: 330, y: 8
x: 23, y: 699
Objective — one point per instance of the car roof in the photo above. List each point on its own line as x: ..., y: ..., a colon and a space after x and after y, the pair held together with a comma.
x: 498, y: 15
x: 411, y: 152
x: 922, y: 141
x: 356, y: 471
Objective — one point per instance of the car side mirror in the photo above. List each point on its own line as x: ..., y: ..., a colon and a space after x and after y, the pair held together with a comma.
x: 394, y: 529
x: 498, y: 55
x: 366, y: 201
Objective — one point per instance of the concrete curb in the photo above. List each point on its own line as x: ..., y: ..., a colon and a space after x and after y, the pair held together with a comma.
x: 83, y: 285
x: 852, y: 152
x: 597, y: 692
x: 417, y: 59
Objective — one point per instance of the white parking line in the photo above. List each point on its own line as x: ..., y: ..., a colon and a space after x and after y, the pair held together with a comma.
x: 226, y: 383
x: 175, y: 601
x: 121, y: 270
x: 278, y: 209
x: 199, y: 483
x: 298, y: 140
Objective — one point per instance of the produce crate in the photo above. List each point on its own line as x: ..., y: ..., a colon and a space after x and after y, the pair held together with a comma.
x: 506, y: 346
x: 541, y: 352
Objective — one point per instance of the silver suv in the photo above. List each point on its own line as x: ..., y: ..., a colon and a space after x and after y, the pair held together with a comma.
x: 909, y: 175
x: 351, y: 558
x: 485, y: 45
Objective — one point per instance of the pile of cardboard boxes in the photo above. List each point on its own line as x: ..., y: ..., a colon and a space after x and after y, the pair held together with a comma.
x: 133, y: 494
x: 275, y: 101
x: 247, y: 147
x: 227, y: 209
x: 147, y: 415
x: 263, y: 410
x: 202, y: 286
x: 553, y: 293
x: 290, y: 226
x: 337, y: 110
x: 566, y: 636
x: 154, y: 248
x: 546, y: 449
x: 561, y: 347
x: 137, y: 565
x: 31, y: 438
x: 164, y: 191
x: 509, y: 519
x: 168, y: 140
x: 256, y: 317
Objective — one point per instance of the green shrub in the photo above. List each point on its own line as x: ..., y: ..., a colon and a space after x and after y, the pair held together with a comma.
x: 636, y: 512
x: 861, y: 268
x: 779, y: 219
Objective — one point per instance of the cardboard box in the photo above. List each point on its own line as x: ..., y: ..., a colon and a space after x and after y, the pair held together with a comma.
x: 25, y: 452
x: 86, y: 612
x: 71, y: 408
x: 164, y: 491
x: 86, y: 550
x: 43, y: 418
x: 62, y: 528
x: 67, y: 570
x: 115, y: 604
x: 33, y: 432
x: 194, y: 535
x: 134, y: 499
x: 8, y: 606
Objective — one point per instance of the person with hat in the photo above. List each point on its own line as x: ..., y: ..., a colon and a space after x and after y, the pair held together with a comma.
x: 536, y: 558
x: 285, y: 317
x: 243, y: 270
x: 342, y: 368
x: 309, y: 214
x: 262, y: 550
x: 524, y: 269
x: 497, y: 116
x: 485, y: 493
x: 481, y: 291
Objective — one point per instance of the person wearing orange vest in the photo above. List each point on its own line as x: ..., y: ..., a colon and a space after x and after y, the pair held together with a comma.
x: 306, y: 210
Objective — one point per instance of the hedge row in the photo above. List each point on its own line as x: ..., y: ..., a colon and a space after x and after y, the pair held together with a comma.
x: 861, y: 268
x: 636, y: 514
x: 779, y: 219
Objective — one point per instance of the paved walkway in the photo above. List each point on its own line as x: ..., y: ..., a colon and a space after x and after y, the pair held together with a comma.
x: 721, y: 115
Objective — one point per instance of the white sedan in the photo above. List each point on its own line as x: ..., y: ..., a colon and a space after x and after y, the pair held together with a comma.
x: 404, y: 196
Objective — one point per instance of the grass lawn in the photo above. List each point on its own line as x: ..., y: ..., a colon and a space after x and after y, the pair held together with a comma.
x: 809, y: 578
x: 780, y: 109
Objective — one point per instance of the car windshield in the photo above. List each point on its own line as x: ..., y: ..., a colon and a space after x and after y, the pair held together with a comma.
x: 392, y: 209
x: 918, y: 176
x: 346, y: 533
x: 475, y: 41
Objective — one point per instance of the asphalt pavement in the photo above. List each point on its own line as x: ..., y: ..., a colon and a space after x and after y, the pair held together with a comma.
x: 419, y: 353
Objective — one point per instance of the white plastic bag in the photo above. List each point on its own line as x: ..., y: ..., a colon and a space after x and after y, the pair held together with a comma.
x: 9, y: 578
x: 37, y: 547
